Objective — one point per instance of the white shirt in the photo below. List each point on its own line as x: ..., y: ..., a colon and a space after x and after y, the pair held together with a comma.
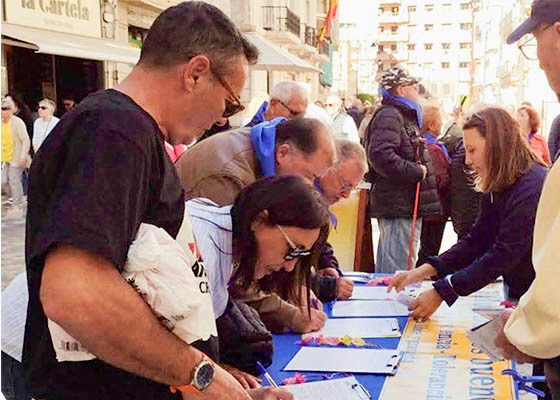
x: 41, y: 130
x: 212, y: 229
x: 344, y: 127
x: 14, y: 313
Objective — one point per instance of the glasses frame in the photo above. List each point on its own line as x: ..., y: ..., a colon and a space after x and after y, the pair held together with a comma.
x: 42, y: 107
x: 233, y: 104
x: 523, y: 47
x: 293, y: 113
x: 344, y: 186
x: 294, y: 251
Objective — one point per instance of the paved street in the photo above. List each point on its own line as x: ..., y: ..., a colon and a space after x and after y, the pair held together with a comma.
x: 13, y: 245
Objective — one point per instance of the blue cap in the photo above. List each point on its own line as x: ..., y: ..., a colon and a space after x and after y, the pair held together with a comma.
x: 542, y: 12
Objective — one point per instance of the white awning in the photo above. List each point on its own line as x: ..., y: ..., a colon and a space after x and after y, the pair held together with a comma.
x: 62, y: 44
x: 274, y: 58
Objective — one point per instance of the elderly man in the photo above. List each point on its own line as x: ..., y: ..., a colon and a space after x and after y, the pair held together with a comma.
x: 343, y: 125
x: 531, y: 330
x: 221, y: 166
x: 288, y: 99
x: 336, y: 184
x: 102, y: 173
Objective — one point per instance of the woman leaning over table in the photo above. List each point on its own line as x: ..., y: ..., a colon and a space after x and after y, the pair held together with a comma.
x: 510, y: 177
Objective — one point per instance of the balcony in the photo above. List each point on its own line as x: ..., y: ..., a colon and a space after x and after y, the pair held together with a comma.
x: 390, y: 18
x: 282, y: 25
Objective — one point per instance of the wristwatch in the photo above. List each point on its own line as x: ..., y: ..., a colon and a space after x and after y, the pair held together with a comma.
x: 202, y: 377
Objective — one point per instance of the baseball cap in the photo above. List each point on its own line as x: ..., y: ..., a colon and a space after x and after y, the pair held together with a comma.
x: 394, y: 77
x: 542, y: 12
x: 7, y: 102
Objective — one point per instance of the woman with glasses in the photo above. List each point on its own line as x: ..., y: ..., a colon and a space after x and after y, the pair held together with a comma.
x: 510, y: 177
x: 530, y: 122
x: 267, y: 240
x: 45, y: 123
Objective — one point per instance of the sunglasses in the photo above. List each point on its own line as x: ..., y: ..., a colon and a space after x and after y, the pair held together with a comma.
x: 233, y: 104
x: 294, y: 251
x: 292, y: 112
x: 43, y: 107
x: 6, y: 108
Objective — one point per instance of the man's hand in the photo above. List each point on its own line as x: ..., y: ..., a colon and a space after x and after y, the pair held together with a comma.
x: 425, y: 304
x: 246, y: 380
x: 509, y: 351
x: 224, y: 386
x: 344, y: 288
x: 269, y: 393
x: 304, y: 322
x: 403, y: 279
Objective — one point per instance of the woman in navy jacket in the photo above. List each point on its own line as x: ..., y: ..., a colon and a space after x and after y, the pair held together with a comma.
x: 511, y: 178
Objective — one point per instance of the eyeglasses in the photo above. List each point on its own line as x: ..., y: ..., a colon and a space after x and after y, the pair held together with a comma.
x: 294, y: 251
x: 233, y: 104
x: 292, y: 112
x: 529, y: 47
x: 344, y: 185
x: 43, y: 107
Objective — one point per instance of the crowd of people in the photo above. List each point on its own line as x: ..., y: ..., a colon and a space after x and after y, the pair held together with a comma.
x: 249, y: 208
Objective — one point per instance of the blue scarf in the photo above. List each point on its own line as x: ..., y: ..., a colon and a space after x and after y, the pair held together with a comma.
x: 430, y: 139
x: 403, y: 101
x: 263, y: 139
x: 259, y: 116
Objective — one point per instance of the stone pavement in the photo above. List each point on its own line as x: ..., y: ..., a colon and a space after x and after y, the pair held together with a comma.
x: 13, y: 246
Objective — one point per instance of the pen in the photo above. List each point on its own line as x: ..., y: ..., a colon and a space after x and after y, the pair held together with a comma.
x: 266, y: 374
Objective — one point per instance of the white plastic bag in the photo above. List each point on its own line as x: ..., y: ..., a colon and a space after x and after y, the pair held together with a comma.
x: 171, y: 280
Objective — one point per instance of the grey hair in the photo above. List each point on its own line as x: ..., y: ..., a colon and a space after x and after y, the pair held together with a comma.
x: 286, y: 90
x: 48, y: 103
x: 349, y: 150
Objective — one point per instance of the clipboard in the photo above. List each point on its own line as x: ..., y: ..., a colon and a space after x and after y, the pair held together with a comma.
x: 341, y: 389
x: 360, y: 360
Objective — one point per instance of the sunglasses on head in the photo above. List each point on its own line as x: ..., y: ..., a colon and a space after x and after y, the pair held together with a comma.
x: 293, y: 251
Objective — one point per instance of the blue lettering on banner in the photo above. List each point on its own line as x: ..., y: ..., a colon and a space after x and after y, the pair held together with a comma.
x: 441, y: 365
x: 481, y: 382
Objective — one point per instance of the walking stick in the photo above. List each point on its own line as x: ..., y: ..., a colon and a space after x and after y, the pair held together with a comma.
x: 412, y: 231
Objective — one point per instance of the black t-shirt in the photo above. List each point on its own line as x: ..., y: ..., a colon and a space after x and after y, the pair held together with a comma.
x: 101, y: 172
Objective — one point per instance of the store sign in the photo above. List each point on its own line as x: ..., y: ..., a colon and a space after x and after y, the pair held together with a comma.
x: 80, y: 17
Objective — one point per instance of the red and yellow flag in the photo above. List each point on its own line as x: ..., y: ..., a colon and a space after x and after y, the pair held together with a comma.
x: 331, y: 15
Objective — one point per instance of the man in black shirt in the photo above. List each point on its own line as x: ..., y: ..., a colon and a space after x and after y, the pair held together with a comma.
x: 104, y: 171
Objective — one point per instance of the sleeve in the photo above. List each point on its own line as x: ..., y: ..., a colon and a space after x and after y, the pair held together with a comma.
x: 554, y: 137
x: 327, y: 259
x: 24, y: 138
x: 384, y: 140
x: 222, y: 189
x: 351, y: 130
x: 534, y: 325
x: 99, y: 195
x: 36, y: 136
x: 324, y: 287
x: 441, y: 168
x: 511, y: 243
x: 276, y: 313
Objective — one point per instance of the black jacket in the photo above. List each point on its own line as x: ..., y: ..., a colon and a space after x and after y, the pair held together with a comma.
x: 394, y: 147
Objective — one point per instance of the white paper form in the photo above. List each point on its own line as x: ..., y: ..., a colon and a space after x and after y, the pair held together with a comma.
x: 339, y: 389
x: 326, y: 359
x: 359, y: 328
x: 372, y: 293
x: 369, y: 308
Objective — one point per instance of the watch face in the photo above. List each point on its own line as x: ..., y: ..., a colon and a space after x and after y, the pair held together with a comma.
x: 204, y: 376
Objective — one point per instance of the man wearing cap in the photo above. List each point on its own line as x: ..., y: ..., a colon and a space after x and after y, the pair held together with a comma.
x: 531, y: 331
x: 15, y: 154
x: 398, y: 162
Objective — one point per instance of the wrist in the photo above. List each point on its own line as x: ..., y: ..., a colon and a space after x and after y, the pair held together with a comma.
x: 201, y: 376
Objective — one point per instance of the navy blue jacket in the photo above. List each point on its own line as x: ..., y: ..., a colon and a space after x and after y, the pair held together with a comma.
x: 499, y: 243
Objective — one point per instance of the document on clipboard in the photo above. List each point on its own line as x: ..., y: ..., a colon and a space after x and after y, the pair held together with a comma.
x: 340, y: 389
x: 365, y: 361
x: 369, y: 308
x: 359, y: 327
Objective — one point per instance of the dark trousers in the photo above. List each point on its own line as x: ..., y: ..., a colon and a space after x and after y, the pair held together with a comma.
x: 552, y: 373
x: 430, y: 239
x: 13, y: 386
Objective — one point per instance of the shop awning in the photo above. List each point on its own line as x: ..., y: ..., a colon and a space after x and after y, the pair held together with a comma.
x: 274, y: 58
x: 63, y: 44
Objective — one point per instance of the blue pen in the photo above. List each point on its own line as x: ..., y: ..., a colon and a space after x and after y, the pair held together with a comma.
x: 266, y: 374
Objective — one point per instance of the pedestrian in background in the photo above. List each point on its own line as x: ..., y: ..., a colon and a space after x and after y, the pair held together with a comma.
x: 530, y: 123
x: 45, y: 123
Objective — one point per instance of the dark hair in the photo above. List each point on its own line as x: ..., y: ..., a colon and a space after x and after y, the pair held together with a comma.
x: 192, y: 28
x: 508, y: 155
x: 302, y: 133
x: 289, y: 201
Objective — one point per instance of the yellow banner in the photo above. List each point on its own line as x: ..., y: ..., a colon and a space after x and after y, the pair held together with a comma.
x: 441, y: 363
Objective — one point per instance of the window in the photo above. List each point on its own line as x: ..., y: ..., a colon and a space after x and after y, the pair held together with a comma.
x: 465, y: 6
x: 381, y: 29
x: 444, y: 65
x: 393, y: 47
x: 411, y: 9
x: 463, y: 64
x: 411, y: 46
x: 429, y: 7
x: 465, y: 45
x: 465, y: 26
x: 428, y: 27
x: 395, y: 10
x: 428, y: 46
x: 394, y: 29
x: 381, y: 47
x: 446, y: 27
x: 446, y: 46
